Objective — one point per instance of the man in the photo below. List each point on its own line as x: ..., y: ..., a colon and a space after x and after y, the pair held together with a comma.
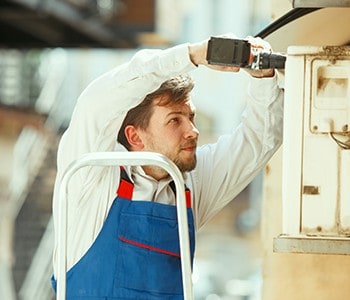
x: 122, y: 229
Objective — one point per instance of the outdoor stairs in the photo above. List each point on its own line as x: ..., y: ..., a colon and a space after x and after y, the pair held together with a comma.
x: 33, y: 218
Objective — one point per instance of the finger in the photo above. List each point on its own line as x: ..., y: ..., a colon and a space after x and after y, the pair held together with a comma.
x: 258, y: 42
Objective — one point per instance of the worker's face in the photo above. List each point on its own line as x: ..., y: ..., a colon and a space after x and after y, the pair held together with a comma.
x: 172, y: 132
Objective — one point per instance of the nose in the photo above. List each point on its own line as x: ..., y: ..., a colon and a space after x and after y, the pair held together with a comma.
x: 192, y: 131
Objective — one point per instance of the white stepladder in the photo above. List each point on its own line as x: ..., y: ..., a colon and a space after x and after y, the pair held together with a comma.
x: 126, y: 159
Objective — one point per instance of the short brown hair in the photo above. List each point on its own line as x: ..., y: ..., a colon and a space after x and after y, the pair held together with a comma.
x: 176, y: 90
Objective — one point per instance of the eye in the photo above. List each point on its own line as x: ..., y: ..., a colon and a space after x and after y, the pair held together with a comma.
x: 192, y: 118
x: 174, y: 120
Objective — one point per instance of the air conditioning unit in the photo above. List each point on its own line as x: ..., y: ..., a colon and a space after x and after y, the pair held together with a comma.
x: 316, y: 151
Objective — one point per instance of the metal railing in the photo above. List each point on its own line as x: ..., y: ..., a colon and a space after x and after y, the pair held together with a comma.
x: 129, y: 159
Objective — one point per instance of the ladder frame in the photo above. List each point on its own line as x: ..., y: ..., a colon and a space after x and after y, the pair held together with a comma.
x: 126, y: 159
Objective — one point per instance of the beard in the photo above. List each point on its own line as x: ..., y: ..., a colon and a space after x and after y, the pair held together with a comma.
x: 180, y: 158
x: 186, y: 166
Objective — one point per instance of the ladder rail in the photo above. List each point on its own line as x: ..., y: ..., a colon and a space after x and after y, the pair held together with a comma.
x: 130, y: 159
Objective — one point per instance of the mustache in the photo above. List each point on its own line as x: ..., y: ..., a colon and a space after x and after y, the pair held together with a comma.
x: 190, y: 144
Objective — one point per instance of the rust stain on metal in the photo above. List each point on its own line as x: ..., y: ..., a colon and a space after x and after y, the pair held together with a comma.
x: 320, y: 231
x: 311, y: 190
x: 336, y: 51
x: 332, y: 53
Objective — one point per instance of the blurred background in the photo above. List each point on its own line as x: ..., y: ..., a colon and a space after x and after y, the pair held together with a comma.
x: 49, y: 51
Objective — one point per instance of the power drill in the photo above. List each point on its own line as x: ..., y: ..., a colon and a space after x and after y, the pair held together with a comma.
x: 240, y: 53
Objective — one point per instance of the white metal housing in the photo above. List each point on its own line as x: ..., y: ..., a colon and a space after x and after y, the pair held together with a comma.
x: 316, y: 151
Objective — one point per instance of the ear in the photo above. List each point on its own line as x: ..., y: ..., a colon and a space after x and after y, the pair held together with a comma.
x: 133, y: 137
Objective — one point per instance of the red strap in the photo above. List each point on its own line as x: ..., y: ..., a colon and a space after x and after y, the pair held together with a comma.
x: 188, y: 198
x: 125, y: 189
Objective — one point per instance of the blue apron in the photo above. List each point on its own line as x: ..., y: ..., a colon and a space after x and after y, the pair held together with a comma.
x: 136, y: 255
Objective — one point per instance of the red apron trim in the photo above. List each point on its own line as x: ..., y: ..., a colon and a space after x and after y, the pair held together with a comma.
x: 137, y: 244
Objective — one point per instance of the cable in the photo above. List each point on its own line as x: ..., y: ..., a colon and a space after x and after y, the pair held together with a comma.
x: 344, y: 145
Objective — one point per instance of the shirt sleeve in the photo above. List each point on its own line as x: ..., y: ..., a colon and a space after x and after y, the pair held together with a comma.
x: 225, y: 168
x: 101, y: 108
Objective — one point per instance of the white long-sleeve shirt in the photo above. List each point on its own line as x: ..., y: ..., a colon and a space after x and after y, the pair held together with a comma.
x: 223, y: 169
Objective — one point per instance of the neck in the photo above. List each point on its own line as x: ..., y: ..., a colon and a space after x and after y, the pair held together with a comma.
x: 155, y: 172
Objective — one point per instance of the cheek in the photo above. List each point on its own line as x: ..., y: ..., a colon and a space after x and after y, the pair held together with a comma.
x: 166, y: 142
x: 163, y: 137
x: 172, y: 137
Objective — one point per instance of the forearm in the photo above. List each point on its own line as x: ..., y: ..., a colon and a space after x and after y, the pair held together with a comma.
x: 240, y: 155
x: 264, y: 112
x: 262, y: 124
